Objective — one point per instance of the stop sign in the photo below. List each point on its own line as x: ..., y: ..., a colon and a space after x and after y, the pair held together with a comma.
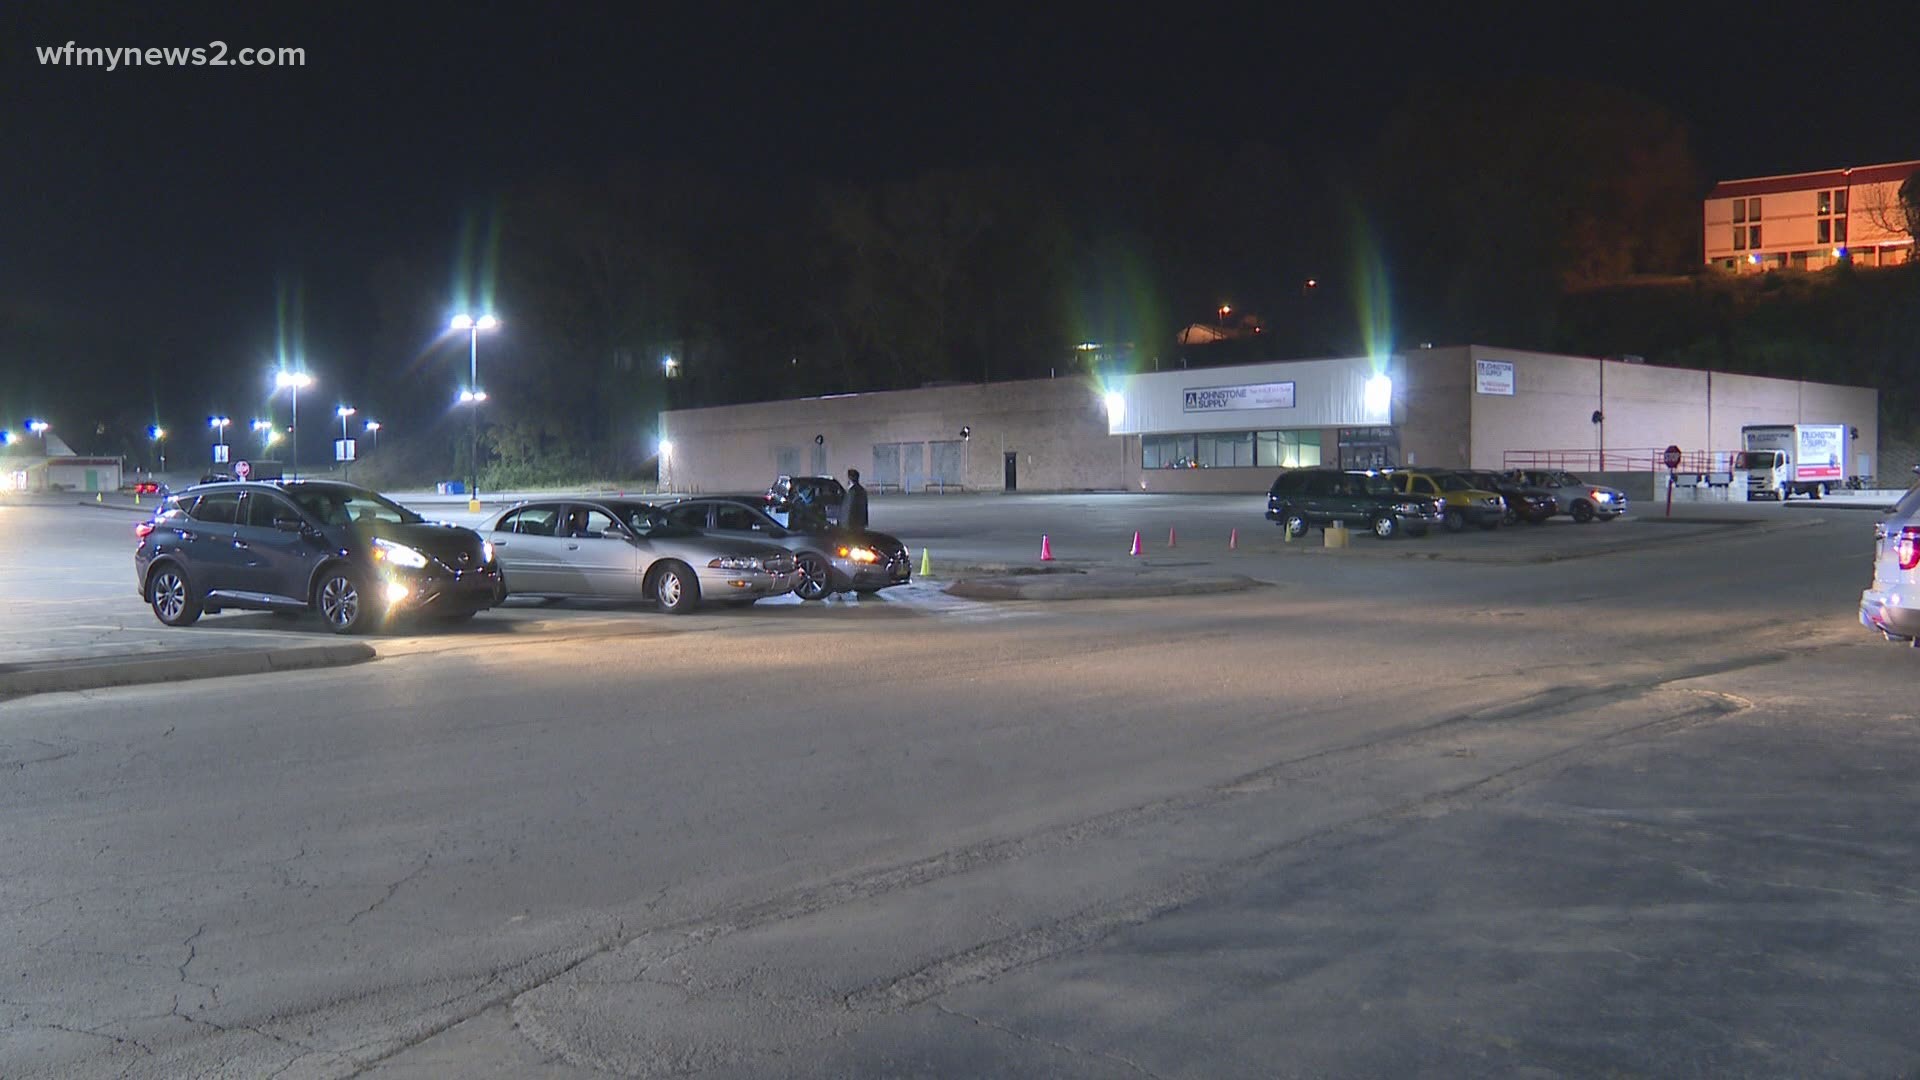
x: 242, y: 469
x: 1672, y: 457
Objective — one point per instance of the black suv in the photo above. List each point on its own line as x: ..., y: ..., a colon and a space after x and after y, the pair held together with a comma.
x: 1303, y: 497
x: 350, y: 554
x: 815, y: 497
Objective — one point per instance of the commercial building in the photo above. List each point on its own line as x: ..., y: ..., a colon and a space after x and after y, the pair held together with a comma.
x: 1230, y: 429
x: 1807, y: 221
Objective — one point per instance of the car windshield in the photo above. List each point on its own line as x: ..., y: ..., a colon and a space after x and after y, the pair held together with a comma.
x: 1762, y: 459
x: 1454, y: 483
x: 351, y: 506
x: 1909, y: 504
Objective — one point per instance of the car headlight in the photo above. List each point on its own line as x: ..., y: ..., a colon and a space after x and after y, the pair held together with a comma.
x: 398, y: 554
x: 860, y: 554
x: 1496, y: 502
x: 737, y: 562
x: 486, y: 551
x: 1603, y: 496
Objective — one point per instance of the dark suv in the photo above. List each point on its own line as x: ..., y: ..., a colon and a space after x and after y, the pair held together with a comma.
x: 815, y: 497
x: 1303, y: 497
x: 351, y: 555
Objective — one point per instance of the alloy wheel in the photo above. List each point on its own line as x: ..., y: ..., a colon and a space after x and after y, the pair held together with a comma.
x: 340, y: 602
x: 169, y: 595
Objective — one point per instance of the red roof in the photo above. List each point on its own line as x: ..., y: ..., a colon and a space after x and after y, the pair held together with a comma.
x: 1814, y: 181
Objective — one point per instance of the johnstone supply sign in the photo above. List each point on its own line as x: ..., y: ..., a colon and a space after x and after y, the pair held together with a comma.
x: 1493, y: 377
x: 1273, y: 395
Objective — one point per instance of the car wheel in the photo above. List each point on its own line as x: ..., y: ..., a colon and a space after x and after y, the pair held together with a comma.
x: 1583, y: 512
x: 1820, y: 491
x: 500, y: 591
x: 1295, y: 524
x: 344, y: 603
x: 813, y: 578
x: 676, y: 590
x: 1456, y: 521
x: 1385, y: 526
x: 1511, y: 517
x: 172, y: 597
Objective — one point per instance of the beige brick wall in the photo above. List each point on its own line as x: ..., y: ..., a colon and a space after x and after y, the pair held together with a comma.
x: 1058, y: 427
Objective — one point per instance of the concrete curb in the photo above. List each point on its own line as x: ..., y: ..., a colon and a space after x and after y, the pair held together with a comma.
x: 1719, y: 531
x: 65, y: 676
x: 1108, y: 586
x: 117, y: 506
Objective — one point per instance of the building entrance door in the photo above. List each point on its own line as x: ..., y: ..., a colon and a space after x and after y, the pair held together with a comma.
x: 1013, y: 471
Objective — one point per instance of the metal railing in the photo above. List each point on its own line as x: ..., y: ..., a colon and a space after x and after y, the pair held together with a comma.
x: 1635, y: 459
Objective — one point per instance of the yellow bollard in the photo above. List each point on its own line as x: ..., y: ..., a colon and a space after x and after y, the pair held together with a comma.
x: 99, y: 496
x: 473, y: 506
x: 926, y: 563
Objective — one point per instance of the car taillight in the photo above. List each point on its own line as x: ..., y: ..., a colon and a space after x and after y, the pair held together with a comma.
x: 1909, y: 547
x: 143, y: 530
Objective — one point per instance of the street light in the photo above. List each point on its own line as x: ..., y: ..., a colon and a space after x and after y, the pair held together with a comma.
x: 295, y: 381
x: 264, y: 428
x: 671, y: 366
x: 159, y: 436
x: 373, y: 431
x: 343, y: 412
x: 472, y: 397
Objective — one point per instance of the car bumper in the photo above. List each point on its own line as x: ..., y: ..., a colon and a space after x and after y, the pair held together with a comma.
x: 444, y: 594
x: 722, y: 585
x: 1481, y: 515
x: 848, y: 574
x: 1421, y: 520
x: 1885, y: 612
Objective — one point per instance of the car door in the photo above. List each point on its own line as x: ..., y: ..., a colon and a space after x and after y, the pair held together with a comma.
x: 1311, y: 499
x: 272, y: 561
x: 598, y: 556
x: 525, y: 544
x: 212, y: 560
x: 738, y: 522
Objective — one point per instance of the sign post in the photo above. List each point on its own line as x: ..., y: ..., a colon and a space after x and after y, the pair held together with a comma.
x: 1672, y: 458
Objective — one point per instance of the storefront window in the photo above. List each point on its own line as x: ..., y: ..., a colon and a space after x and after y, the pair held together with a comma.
x: 1231, y: 450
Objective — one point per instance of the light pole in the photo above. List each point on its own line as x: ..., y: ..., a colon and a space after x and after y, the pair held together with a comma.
x: 159, y: 436
x: 219, y: 426
x: 295, y: 381
x: 344, y: 411
x: 472, y: 397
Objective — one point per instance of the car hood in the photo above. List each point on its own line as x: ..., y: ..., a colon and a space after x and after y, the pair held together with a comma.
x: 442, y: 540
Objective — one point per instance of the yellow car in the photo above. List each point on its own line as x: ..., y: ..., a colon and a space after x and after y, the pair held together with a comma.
x: 1460, y: 501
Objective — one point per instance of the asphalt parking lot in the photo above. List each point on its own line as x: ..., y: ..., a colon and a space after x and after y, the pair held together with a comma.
x: 1622, y: 799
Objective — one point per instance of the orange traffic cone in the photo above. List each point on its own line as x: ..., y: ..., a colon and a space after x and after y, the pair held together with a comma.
x: 1136, y: 544
x: 1169, y: 536
x: 1233, y: 540
x: 1046, y: 549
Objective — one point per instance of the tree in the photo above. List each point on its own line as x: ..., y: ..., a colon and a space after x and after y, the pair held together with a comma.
x: 1895, y: 211
x: 1500, y: 194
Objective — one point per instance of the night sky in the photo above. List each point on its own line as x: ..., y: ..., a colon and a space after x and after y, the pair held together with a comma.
x: 152, y: 211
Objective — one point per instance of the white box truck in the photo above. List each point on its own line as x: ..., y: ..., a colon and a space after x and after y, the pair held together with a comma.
x: 1793, y: 459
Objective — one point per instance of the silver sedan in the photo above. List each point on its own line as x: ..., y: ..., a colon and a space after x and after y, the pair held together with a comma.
x: 627, y: 550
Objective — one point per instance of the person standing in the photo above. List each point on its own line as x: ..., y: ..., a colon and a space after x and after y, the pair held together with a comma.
x: 853, y: 510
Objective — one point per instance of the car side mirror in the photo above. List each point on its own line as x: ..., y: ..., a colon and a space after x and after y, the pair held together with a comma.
x: 290, y: 525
